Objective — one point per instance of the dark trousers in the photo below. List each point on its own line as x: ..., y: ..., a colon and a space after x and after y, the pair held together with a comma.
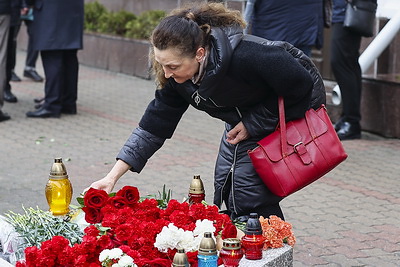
x: 345, y: 46
x: 11, y: 52
x: 61, y: 86
x: 32, y: 55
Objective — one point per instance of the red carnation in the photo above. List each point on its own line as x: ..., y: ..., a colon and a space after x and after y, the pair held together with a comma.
x: 95, y: 198
x: 130, y: 193
x: 91, y: 230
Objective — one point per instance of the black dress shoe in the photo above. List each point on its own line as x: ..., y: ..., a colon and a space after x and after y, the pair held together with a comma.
x: 14, y: 77
x: 42, y: 113
x: 4, y: 116
x: 9, y: 97
x: 349, y: 131
x: 32, y: 74
x: 38, y: 100
x: 37, y: 106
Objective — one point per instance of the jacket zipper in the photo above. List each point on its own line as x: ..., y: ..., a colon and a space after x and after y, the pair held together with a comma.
x: 238, y: 111
x: 231, y: 172
x: 215, y: 104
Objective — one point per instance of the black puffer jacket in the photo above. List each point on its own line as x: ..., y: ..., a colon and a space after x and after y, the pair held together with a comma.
x: 244, y: 77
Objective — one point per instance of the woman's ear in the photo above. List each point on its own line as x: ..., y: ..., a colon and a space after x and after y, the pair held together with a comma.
x: 200, y: 53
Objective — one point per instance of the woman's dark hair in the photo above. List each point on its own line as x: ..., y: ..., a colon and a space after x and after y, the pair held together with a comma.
x: 187, y: 29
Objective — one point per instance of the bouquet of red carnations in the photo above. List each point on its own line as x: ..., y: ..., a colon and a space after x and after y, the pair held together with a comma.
x: 148, y: 234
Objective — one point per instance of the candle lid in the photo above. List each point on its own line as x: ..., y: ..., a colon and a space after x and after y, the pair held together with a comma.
x: 231, y: 244
x: 58, y: 170
x: 196, y: 186
x: 253, y: 225
x: 180, y: 259
x: 207, y: 245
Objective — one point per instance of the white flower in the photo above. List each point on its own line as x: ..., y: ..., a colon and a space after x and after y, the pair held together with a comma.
x: 203, y: 226
x: 103, y: 255
x: 172, y: 237
x: 125, y: 261
x: 115, y: 253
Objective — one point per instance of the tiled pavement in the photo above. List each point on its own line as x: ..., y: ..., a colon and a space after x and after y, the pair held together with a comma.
x: 351, y: 217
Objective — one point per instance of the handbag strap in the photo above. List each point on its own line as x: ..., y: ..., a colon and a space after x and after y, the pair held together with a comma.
x: 282, y: 126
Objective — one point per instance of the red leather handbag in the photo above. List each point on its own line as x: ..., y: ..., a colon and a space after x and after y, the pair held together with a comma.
x: 298, y: 153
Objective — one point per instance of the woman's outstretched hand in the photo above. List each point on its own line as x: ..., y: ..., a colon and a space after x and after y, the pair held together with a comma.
x: 237, y: 134
x: 103, y: 184
x: 109, y: 181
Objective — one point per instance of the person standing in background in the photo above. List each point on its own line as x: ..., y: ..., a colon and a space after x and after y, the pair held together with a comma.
x: 32, y: 55
x: 300, y: 23
x: 15, y: 23
x: 345, y: 46
x: 58, y: 35
x: 5, y: 14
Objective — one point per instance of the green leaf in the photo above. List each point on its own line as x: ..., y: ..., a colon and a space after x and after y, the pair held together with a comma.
x: 80, y: 201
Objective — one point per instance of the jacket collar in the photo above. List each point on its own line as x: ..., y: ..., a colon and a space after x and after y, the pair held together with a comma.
x: 222, y: 43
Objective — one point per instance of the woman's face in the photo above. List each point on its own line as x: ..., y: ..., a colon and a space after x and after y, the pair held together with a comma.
x: 180, y: 68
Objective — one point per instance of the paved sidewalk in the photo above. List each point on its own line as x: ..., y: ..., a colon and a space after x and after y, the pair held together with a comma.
x: 348, y: 218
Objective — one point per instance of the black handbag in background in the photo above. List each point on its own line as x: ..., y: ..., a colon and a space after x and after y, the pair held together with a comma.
x: 360, y: 17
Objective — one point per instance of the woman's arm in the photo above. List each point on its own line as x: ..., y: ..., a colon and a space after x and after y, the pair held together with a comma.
x: 109, y: 181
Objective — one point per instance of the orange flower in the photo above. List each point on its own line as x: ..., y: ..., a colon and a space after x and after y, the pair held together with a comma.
x: 276, y: 232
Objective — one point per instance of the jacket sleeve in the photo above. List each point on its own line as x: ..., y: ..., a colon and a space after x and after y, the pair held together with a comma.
x: 164, y: 112
x: 282, y: 75
x: 157, y: 124
x: 139, y: 147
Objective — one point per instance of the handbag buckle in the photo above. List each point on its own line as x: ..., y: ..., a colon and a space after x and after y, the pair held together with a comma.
x: 302, y: 152
x: 296, y: 145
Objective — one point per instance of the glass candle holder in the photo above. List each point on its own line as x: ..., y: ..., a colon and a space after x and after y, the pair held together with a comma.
x: 196, y: 190
x: 231, y: 252
x: 207, y: 256
x: 253, y: 240
x: 253, y: 246
x: 58, y: 189
x: 196, y: 198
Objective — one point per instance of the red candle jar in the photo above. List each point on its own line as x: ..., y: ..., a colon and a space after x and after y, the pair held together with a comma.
x: 253, y: 240
x: 253, y: 245
x: 196, y: 190
x: 231, y: 252
x: 196, y: 198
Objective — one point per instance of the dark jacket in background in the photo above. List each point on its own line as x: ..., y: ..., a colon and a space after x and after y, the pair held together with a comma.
x: 299, y: 22
x: 16, y: 6
x: 338, y: 11
x: 62, y: 21
x: 5, y: 7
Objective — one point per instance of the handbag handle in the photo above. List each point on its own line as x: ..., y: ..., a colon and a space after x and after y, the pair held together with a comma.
x: 282, y: 126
